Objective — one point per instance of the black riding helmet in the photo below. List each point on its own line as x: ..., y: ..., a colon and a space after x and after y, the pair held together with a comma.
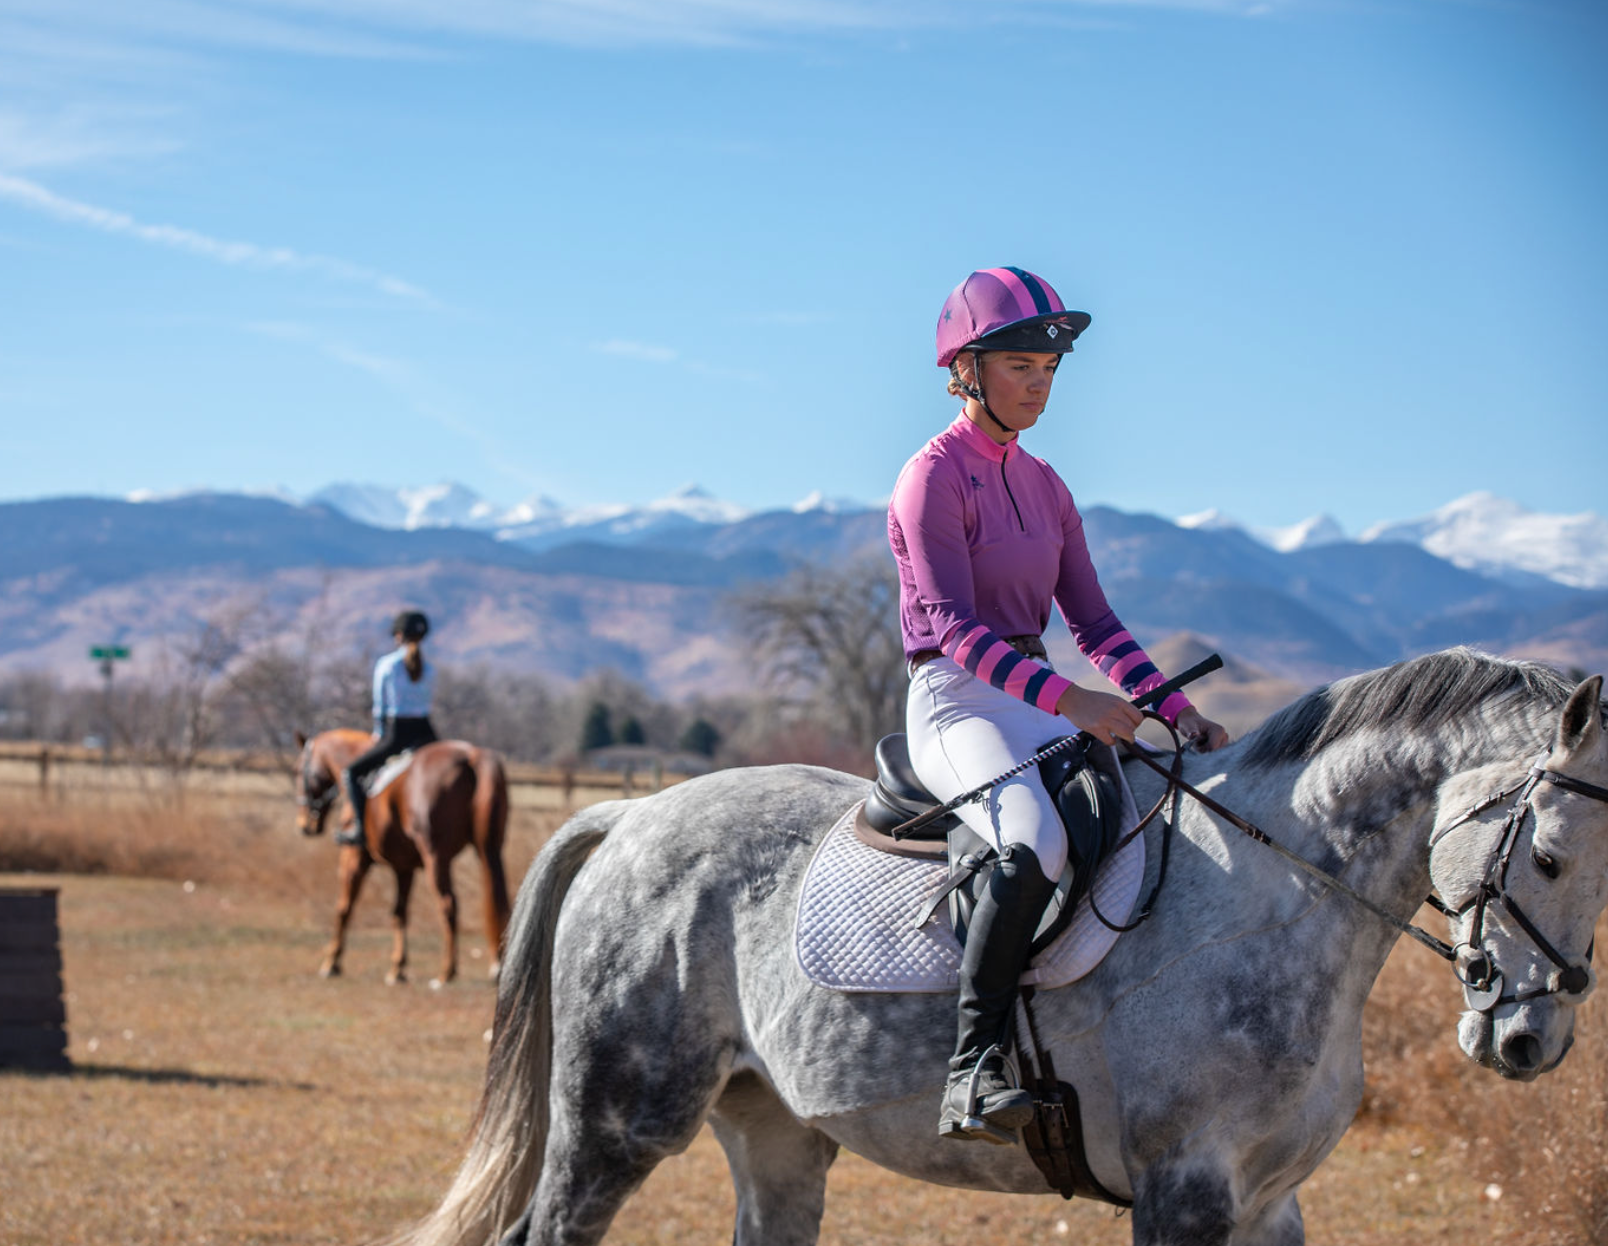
x: 411, y: 625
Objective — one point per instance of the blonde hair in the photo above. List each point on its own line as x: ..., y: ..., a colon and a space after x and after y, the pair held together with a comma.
x: 974, y: 361
x: 954, y: 372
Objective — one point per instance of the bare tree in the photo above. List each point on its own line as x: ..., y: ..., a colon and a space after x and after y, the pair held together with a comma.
x: 830, y: 640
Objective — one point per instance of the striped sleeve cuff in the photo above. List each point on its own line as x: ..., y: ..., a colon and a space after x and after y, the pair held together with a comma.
x: 1121, y: 660
x: 993, y: 661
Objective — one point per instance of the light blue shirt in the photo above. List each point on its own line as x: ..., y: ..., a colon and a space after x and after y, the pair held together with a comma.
x: 397, y: 696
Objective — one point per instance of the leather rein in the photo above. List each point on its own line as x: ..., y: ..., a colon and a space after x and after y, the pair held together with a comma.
x: 1474, y: 965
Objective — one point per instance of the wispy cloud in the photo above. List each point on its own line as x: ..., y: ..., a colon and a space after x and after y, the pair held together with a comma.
x: 36, y: 198
x: 644, y: 351
x: 647, y: 352
x: 404, y: 381
x: 414, y: 28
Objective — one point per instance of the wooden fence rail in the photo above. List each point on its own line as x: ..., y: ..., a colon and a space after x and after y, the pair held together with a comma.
x: 48, y: 764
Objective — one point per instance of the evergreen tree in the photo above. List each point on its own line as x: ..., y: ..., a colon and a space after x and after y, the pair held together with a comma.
x: 700, y: 737
x: 596, y: 732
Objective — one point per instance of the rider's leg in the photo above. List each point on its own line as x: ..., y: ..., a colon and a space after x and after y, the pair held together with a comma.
x: 355, y: 776
x: 981, y: 1097
x: 962, y: 733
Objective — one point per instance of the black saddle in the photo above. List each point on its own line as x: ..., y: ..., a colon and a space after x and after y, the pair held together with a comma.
x: 1085, y: 784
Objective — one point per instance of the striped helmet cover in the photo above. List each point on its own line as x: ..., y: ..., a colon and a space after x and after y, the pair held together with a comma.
x: 997, y: 298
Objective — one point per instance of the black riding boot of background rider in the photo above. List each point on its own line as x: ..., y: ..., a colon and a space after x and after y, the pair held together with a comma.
x: 357, y: 795
x: 981, y: 1098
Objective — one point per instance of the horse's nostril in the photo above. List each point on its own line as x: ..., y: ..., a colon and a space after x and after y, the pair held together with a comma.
x: 1522, y: 1053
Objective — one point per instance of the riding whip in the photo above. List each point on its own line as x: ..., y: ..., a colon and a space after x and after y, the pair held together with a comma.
x: 1081, y: 742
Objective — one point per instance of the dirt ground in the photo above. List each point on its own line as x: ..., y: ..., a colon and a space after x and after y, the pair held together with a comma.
x: 223, y: 1093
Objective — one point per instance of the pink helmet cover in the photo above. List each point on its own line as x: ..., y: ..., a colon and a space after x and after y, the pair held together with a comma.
x: 1000, y: 298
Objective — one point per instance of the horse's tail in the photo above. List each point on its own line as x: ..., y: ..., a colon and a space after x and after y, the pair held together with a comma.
x: 509, y: 1136
x: 489, y: 811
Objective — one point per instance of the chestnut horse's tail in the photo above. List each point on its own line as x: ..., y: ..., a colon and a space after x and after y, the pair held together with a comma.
x: 509, y: 1135
x: 489, y: 811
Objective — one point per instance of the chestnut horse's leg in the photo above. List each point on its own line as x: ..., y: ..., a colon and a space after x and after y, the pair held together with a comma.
x: 353, y: 867
x: 399, y: 926
x: 495, y: 884
x: 441, y: 875
x: 488, y: 825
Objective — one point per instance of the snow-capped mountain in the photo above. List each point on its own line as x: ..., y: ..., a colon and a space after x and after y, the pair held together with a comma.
x: 1485, y: 533
x: 1308, y: 534
x: 688, y: 506
x: 444, y: 505
x: 1479, y: 532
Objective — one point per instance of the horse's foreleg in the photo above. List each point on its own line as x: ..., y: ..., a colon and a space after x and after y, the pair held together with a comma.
x: 399, y: 928
x: 777, y: 1164
x: 353, y: 867
x: 441, y: 876
x: 1279, y: 1225
x: 1184, y: 1200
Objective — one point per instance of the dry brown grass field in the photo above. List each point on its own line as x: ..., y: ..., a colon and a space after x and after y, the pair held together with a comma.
x: 222, y: 1093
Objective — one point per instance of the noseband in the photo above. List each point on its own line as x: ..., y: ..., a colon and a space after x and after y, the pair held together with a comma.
x: 1475, y: 966
x: 315, y: 805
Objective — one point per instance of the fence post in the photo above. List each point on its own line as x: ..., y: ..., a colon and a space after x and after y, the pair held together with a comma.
x: 44, y: 772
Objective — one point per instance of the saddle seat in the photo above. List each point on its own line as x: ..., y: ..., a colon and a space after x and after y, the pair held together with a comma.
x: 1085, y: 782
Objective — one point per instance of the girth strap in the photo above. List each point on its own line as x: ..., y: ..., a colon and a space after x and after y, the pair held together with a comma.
x: 1054, y: 1137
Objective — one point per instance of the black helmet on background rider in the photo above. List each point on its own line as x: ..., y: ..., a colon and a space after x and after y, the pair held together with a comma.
x: 1003, y: 309
x: 411, y: 625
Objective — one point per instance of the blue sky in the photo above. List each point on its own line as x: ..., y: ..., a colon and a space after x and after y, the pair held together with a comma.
x: 1341, y: 255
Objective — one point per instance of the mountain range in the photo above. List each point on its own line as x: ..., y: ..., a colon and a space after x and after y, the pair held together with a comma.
x: 645, y: 589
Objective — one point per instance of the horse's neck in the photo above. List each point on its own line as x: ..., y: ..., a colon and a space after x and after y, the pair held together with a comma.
x: 1363, y: 808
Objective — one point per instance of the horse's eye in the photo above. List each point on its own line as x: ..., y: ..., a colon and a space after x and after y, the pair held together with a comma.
x: 1544, y: 862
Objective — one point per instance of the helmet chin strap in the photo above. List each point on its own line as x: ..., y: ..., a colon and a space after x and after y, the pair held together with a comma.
x: 975, y: 391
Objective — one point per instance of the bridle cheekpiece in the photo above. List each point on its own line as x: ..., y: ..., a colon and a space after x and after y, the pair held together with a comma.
x: 1475, y: 966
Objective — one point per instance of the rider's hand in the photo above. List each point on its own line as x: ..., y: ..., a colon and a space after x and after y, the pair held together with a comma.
x: 1201, y: 731
x: 1101, y: 714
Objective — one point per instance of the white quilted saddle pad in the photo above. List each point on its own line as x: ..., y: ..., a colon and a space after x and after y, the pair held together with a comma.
x: 856, y: 924
x: 392, y: 769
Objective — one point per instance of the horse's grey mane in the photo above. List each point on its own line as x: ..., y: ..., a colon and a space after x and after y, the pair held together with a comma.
x: 1418, y: 695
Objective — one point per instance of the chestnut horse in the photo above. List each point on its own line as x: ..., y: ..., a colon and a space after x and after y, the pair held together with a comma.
x: 453, y: 795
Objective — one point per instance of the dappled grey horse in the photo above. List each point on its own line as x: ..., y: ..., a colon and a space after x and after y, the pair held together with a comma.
x: 650, y: 982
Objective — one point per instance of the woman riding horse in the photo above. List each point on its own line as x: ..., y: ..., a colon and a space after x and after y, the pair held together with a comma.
x: 985, y: 537
x: 404, y: 684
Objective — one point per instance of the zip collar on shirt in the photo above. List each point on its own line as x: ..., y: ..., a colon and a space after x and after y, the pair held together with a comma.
x: 979, y: 442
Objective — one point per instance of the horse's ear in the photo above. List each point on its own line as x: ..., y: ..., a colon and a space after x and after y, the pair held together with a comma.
x: 301, y: 740
x: 1582, y: 717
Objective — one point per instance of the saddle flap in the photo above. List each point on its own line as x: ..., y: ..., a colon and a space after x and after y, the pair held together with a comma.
x: 1087, y: 790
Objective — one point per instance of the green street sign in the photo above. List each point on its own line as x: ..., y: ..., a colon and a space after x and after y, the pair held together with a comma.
x: 102, y: 653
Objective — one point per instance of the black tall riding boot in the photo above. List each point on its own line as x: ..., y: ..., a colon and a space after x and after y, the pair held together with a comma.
x: 357, y: 794
x: 981, y: 1098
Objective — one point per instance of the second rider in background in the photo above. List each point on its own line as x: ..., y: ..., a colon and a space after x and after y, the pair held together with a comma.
x: 404, y: 685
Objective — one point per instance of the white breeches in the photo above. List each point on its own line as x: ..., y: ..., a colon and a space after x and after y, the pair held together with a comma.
x: 962, y: 732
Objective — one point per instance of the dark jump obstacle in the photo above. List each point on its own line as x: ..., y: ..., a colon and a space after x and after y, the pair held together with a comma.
x: 33, y: 1019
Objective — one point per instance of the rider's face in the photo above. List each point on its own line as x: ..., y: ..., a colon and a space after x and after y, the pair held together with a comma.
x: 1017, y: 385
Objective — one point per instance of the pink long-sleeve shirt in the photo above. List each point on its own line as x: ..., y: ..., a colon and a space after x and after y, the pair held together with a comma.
x: 986, y: 536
